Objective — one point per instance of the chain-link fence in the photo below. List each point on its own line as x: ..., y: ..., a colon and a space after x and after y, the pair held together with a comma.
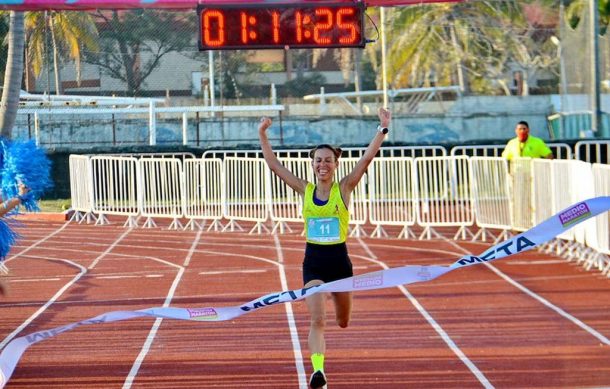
x: 436, y: 55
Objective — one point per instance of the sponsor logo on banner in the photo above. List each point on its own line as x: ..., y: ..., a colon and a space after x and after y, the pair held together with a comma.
x: 367, y: 281
x: 274, y: 298
x: 510, y: 247
x: 202, y: 313
x: 574, y: 214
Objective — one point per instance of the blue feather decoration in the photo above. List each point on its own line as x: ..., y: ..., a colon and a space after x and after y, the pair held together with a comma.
x: 24, y: 162
x: 7, y: 237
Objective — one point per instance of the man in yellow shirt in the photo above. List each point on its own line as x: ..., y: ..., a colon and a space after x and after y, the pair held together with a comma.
x: 526, y: 145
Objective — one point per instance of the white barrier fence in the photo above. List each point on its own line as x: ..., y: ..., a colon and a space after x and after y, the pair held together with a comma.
x: 81, y: 187
x: 245, y: 183
x: 203, y: 195
x: 161, y: 182
x: 482, y: 194
x: 392, y: 198
x: 491, y: 202
x: 443, y: 194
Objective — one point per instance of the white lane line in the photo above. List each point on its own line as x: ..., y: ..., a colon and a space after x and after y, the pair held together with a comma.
x: 439, y: 330
x: 294, y: 334
x: 131, y: 275
x: 109, y: 249
x: 115, y: 277
x: 37, y: 243
x: 61, y: 291
x: 35, y: 279
x: 40, y: 310
x: 495, y: 281
x: 550, y: 305
x: 207, y: 273
x: 538, y: 262
x: 541, y: 299
x: 135, y: 368
x: 138, y: 300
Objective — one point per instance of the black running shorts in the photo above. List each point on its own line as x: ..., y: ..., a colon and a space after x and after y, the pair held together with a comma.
x: 326, y: 262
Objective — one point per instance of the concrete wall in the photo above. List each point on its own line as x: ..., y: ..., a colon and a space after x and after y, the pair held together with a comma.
x: 469, y: 119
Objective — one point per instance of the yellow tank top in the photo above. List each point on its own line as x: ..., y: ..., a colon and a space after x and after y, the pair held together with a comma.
x: 325, y: 224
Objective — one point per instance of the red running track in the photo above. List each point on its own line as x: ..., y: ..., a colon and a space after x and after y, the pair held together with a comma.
x: 529, y: 321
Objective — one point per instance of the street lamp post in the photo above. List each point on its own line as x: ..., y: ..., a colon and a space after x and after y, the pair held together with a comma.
x: 384, y: 70
x: 594, y: 66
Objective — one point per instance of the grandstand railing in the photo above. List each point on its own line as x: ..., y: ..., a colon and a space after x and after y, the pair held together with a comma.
x: 109, y: 118
x: 478, y: 196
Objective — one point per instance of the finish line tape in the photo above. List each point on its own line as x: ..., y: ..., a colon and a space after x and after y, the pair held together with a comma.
x: 543, y: 232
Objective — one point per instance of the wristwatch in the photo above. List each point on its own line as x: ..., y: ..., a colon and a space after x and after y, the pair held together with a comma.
x: 383, y: 130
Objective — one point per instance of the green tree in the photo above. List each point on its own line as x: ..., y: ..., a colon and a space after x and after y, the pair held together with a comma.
x: 3, y: 35
x: 70, y: 33
x: 575, y: 9
x: 132, y: 43
x: 350, y: 62
x: 470, y: 44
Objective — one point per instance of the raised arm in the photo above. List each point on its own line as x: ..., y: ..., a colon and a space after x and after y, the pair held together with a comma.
x: 297, y: 184
x: 349, y: 182
x: 10, y: 204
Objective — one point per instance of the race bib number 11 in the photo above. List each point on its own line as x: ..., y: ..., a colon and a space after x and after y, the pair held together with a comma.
x: 323, y: 229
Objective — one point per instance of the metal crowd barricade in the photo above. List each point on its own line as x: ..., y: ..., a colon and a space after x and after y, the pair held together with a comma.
x: 81, y: 188
x: 348, y: 152
x: 413, y: 151
x: 443, y: 192
x: 521, y: 194
x: 392, y: 199
x: 593, y: 151
x: 203, y: 196
x: 560, y: 150
x: 179, y: 155
x: 286, y: 205
x: 358, y: 203
x: 478, y: 150
x: 398, y: 191
x: 161, y: 180
x: 245, y: 194
x: 544, y: 198
x: 115, y: 190
x: 490, y: 196
x: 582, y: 187
x: 601, y: 260
x: 568, y: 183
x: 564, y: 195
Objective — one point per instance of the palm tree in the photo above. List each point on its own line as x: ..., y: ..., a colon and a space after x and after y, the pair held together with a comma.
x: 13, y: 75
x: 469, y: 43
x: 576, y: 8
x: 71, y: 32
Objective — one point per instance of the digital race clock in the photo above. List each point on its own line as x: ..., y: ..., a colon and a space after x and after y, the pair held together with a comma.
x: 268, y: 26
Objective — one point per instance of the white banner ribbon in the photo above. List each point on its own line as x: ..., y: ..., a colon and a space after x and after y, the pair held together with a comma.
x: 543, y: 232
